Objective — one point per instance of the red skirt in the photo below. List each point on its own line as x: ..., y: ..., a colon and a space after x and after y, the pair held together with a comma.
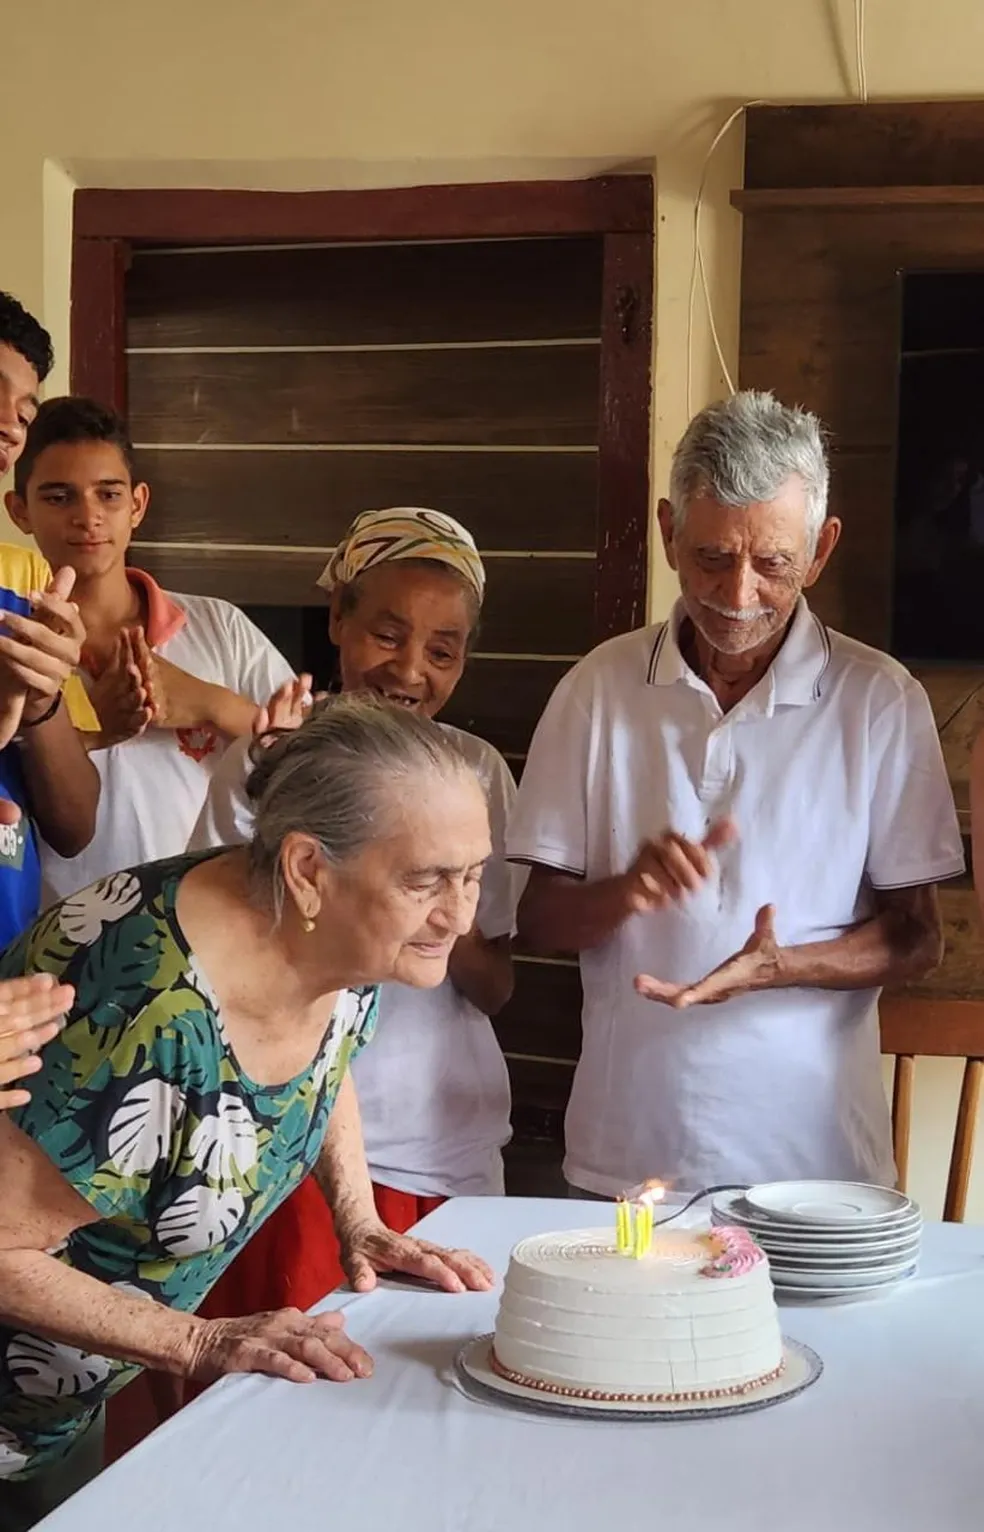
x: 291, y: 1262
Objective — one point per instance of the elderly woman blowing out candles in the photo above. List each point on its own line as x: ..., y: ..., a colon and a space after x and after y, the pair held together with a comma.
x: 204, y: 1070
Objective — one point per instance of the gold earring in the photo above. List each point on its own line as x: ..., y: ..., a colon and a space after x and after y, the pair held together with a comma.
x: 308, y: 925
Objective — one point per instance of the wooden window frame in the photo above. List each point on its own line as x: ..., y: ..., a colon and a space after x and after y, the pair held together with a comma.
x: 108, y: 225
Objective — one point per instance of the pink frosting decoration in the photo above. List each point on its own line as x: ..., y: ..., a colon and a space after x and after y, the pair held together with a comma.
x: 734, y: 1253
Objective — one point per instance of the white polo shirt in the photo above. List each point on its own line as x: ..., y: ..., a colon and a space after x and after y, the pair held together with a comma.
x: 433, y: 1086
x: 153, y: 787
x: 832, y: 769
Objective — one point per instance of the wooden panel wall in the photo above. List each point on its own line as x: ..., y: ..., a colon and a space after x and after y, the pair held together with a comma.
x: 820, y: 325
x: 838, y: 203
x: 275, y: 392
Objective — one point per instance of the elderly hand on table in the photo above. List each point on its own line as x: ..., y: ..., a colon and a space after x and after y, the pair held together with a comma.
x: 284, y: 1344
x: 369, y: 1249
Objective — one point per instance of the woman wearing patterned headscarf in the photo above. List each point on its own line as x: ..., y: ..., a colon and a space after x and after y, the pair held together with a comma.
x: 406, y: 589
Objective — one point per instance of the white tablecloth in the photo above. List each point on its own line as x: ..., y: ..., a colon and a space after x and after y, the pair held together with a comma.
x: 891, y: 1439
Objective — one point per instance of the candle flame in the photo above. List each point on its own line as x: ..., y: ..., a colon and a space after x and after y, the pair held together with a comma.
x: 647, y: 1194
x: 634, y: 1218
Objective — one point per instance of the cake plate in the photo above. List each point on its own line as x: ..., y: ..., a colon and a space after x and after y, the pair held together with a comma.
x: 477, y: 1380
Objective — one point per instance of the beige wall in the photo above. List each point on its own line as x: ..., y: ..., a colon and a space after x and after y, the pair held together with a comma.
x: 328, y: 93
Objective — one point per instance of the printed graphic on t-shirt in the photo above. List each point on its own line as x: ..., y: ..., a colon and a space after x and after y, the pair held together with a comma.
x: 13, y: 839
x: 198, y: 743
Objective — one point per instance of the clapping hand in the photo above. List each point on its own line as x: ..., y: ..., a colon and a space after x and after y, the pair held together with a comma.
x: 178, y: 699
x: 30, y: 1015
x: 38, y: 654
x: 755, y: 967
x: 121, y: 695
x: 666, y: 870
x: 289, y: 706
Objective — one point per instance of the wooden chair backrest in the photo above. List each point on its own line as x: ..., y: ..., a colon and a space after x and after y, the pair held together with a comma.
x: 913, y: 1028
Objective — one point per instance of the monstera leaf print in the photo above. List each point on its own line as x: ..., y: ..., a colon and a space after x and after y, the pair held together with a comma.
x: 12, y: 1455
x: 141, y: 1128
x: 286, y: 1129
x: 186, y: 1046
x: 199, y: 1219
x: 43, y: 948
x: 132, y: 1290
x: 114, y: 975
x: 352, y: 1023
x: 196, y: 979
x: 47, y: 1370
x: 329, y: 1072
x: 49, y: 1109
x: 82, y: 917
x: 224, y: 1145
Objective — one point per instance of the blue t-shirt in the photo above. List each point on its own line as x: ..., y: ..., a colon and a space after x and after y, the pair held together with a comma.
x: 20, y: 864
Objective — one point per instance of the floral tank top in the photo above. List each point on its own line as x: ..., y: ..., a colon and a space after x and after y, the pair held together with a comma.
x: 143, y: 1108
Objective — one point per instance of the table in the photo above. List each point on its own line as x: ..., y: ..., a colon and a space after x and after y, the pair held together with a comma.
x: 891, y: 1439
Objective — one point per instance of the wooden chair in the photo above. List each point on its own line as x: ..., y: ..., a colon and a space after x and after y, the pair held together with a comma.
x: 951, y: 1029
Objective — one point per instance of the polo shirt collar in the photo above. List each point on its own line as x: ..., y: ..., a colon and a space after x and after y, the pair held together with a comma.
x: 794, y: 677
x: 164, y: 617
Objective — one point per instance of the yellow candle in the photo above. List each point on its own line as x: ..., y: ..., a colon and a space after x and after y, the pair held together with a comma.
x: 643, y: 1230
x: 623, y: 1236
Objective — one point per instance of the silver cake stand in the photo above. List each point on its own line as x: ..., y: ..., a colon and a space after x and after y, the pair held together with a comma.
x: 475, y: 1377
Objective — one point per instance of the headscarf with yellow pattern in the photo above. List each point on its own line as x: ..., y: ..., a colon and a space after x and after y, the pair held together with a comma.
x: 405, y: 532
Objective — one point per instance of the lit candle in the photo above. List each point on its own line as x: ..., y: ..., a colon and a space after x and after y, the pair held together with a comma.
x: 643, y: 1230
x: 649, y: 1191
x: 634, y: 1219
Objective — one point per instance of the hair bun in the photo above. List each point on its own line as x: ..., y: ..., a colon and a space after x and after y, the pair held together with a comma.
x: 264, y: 755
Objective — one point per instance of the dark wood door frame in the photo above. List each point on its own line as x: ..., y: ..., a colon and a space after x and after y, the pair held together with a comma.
x: 109, y: 224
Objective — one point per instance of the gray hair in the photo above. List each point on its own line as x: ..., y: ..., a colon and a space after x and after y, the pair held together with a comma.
x: 744, y: 449
x: 342, y: 777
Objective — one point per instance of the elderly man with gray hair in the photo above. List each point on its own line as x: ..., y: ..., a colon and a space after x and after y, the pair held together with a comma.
x: 740, y: 816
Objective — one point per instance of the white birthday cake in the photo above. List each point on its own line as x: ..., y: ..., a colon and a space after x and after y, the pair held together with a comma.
x: 694, y: 1318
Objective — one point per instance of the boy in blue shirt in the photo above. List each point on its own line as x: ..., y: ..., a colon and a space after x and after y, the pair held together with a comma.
x: 47, y: 781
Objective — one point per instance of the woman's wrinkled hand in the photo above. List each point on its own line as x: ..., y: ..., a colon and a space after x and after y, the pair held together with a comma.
x: 369, y: 1249
x: 284, y: 1344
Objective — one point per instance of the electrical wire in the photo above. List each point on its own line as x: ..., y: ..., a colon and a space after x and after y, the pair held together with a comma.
x: 860, y: 49
x: 698, y: 271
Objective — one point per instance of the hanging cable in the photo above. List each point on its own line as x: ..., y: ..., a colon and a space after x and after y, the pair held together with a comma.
x: 859, y: 49
x: 698, y: 271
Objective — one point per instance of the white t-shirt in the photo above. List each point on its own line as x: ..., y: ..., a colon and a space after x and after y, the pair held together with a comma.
x: 153, y: 787
x: 832, y: 769
x: 433, y: 1086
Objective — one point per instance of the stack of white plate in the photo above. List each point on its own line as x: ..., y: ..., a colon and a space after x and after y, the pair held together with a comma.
x: 828, y: 1239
